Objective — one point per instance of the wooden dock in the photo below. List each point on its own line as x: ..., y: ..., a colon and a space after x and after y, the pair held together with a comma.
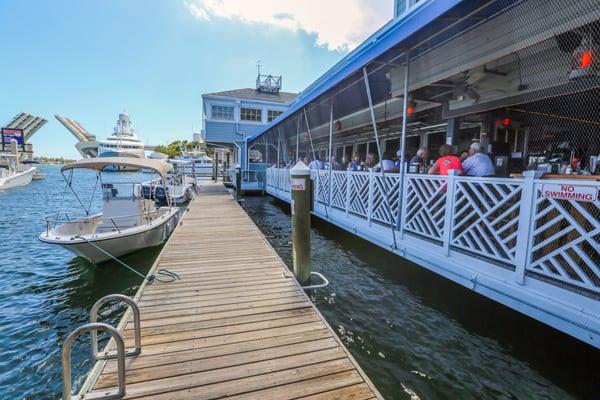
x: 237, y: 325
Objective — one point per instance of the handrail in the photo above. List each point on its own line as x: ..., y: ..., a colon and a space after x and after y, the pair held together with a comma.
x: 66, y: 361
x: 136, y: 327
x: 319, y: 285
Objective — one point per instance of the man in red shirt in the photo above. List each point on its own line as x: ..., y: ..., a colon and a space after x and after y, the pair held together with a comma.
x: 446, y: 162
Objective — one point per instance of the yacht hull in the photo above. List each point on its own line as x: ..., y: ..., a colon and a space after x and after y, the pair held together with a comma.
x: 120, y: 168
x: 119, y: 244
x: 19, y: 179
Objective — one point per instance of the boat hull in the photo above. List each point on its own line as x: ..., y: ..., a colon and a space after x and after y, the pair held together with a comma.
x: 19, y: 179
x: 119, y: 244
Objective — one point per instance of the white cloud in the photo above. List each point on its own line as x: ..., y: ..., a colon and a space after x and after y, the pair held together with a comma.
x: 337, y: 24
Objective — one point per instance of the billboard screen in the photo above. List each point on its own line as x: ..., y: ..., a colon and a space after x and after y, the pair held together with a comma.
x: 11, y: 133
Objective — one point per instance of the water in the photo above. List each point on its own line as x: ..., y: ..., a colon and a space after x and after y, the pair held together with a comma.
x: 419, y: 336
x: 415, y: 334
x: 46, y: 292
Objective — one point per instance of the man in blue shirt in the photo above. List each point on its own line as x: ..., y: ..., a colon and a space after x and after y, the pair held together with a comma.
x: 477, y: 164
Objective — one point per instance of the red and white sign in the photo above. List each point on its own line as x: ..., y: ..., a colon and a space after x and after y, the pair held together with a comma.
x: 570, y: 192
x: 298, y: 184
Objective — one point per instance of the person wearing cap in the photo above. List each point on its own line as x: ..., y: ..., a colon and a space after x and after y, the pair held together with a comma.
x: 418, y: 162
x: 478, y: 163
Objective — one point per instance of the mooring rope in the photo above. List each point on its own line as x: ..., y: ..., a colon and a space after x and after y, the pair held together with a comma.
x: 150, y: 278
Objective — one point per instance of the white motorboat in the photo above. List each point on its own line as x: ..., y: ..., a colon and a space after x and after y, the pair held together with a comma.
x: 12, y: 173
x: 199, y: 164
x: 178, y: 187
x: 128, y: 221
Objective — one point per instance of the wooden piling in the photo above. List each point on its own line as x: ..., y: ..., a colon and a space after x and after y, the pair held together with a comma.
x: 300, y: 188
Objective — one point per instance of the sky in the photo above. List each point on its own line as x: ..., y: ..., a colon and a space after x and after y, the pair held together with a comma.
x: 89, y: 60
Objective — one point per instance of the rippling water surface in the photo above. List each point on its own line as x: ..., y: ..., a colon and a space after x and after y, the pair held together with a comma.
x: 46, y: 292
x: 419, y: 336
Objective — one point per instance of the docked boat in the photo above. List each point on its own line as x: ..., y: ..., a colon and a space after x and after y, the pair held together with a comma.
x: 123, y: 142
x: 199, y: 164
x: 128, y: 221
x: 178, y: 188
x: 12, y: 173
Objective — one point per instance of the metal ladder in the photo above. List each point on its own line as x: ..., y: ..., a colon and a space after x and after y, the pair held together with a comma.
x: 93, y: 327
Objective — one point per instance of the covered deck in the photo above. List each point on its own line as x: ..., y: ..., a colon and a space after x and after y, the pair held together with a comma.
x: 520, y: 78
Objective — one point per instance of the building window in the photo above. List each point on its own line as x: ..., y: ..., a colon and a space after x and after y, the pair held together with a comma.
x: 272, y: 114
x: 222, y: 112
x: 251, y: 114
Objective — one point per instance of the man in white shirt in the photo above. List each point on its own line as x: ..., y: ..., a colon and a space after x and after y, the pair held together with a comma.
x: 477, y: 164
x: 316, y: 164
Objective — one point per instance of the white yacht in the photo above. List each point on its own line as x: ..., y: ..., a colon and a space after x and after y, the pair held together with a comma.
x: 14, y: 174
x: 128, y: 222
x: 199, y: 164
x: 124, y: 142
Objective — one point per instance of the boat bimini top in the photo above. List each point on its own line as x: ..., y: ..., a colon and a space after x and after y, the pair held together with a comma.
x: 99, y: 163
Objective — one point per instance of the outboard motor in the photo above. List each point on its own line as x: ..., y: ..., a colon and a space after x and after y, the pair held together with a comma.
x: 160, y: 195
x: 147, y: 192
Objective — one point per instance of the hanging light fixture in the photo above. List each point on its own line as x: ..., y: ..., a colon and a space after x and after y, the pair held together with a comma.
x: 411, y: 107
x: 585, y: 58
x: 338, y: 125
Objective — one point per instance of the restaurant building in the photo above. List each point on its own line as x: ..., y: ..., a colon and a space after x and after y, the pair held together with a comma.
x: 231, y: 117
x: 521, y: 78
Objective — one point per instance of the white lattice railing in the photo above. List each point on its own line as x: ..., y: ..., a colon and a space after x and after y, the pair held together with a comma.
x: 564, y: 238
x: 485, y: 216
x: 495, y: 220
x: 425, y: 206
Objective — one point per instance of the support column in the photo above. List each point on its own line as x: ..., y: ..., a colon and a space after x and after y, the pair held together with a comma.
x: 216, y: 168
x: 300, y: 188
x: 452, y: 130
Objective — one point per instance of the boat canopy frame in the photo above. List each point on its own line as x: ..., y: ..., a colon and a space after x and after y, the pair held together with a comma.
x: 98, y: 164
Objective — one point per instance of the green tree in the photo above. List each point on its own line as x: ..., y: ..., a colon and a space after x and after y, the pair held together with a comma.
x: 173, y: 149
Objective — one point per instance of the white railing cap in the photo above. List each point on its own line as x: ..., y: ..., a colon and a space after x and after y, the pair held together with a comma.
x: 300, y: 169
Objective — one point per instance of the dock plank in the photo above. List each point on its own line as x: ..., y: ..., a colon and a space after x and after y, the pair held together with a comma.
x: 236, y: 324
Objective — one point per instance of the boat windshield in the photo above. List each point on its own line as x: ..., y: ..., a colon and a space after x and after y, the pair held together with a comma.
x: 121, y: 191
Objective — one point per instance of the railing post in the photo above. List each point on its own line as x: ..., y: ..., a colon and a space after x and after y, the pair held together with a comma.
x: 450, y: 188
x: 348, y: 183
x: 300, y: 207
x: 404, y: 199
x: 526, y: 210
x: 370, y: 200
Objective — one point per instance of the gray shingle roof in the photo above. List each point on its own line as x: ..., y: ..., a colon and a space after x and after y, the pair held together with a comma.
x: 253, y: 94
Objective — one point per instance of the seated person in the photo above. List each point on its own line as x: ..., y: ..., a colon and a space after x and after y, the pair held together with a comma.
x: 477, y: 164
x: 419, y: 161
x: 335, y: 166
x: 355, y: 164
x: 371, y: 161
x: 316, y: 164
x: 387, y: 163
x: 463, y: 156
x: 446, y: 162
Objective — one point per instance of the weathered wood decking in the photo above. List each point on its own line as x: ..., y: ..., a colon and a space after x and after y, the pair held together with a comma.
x: 237, y: 324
